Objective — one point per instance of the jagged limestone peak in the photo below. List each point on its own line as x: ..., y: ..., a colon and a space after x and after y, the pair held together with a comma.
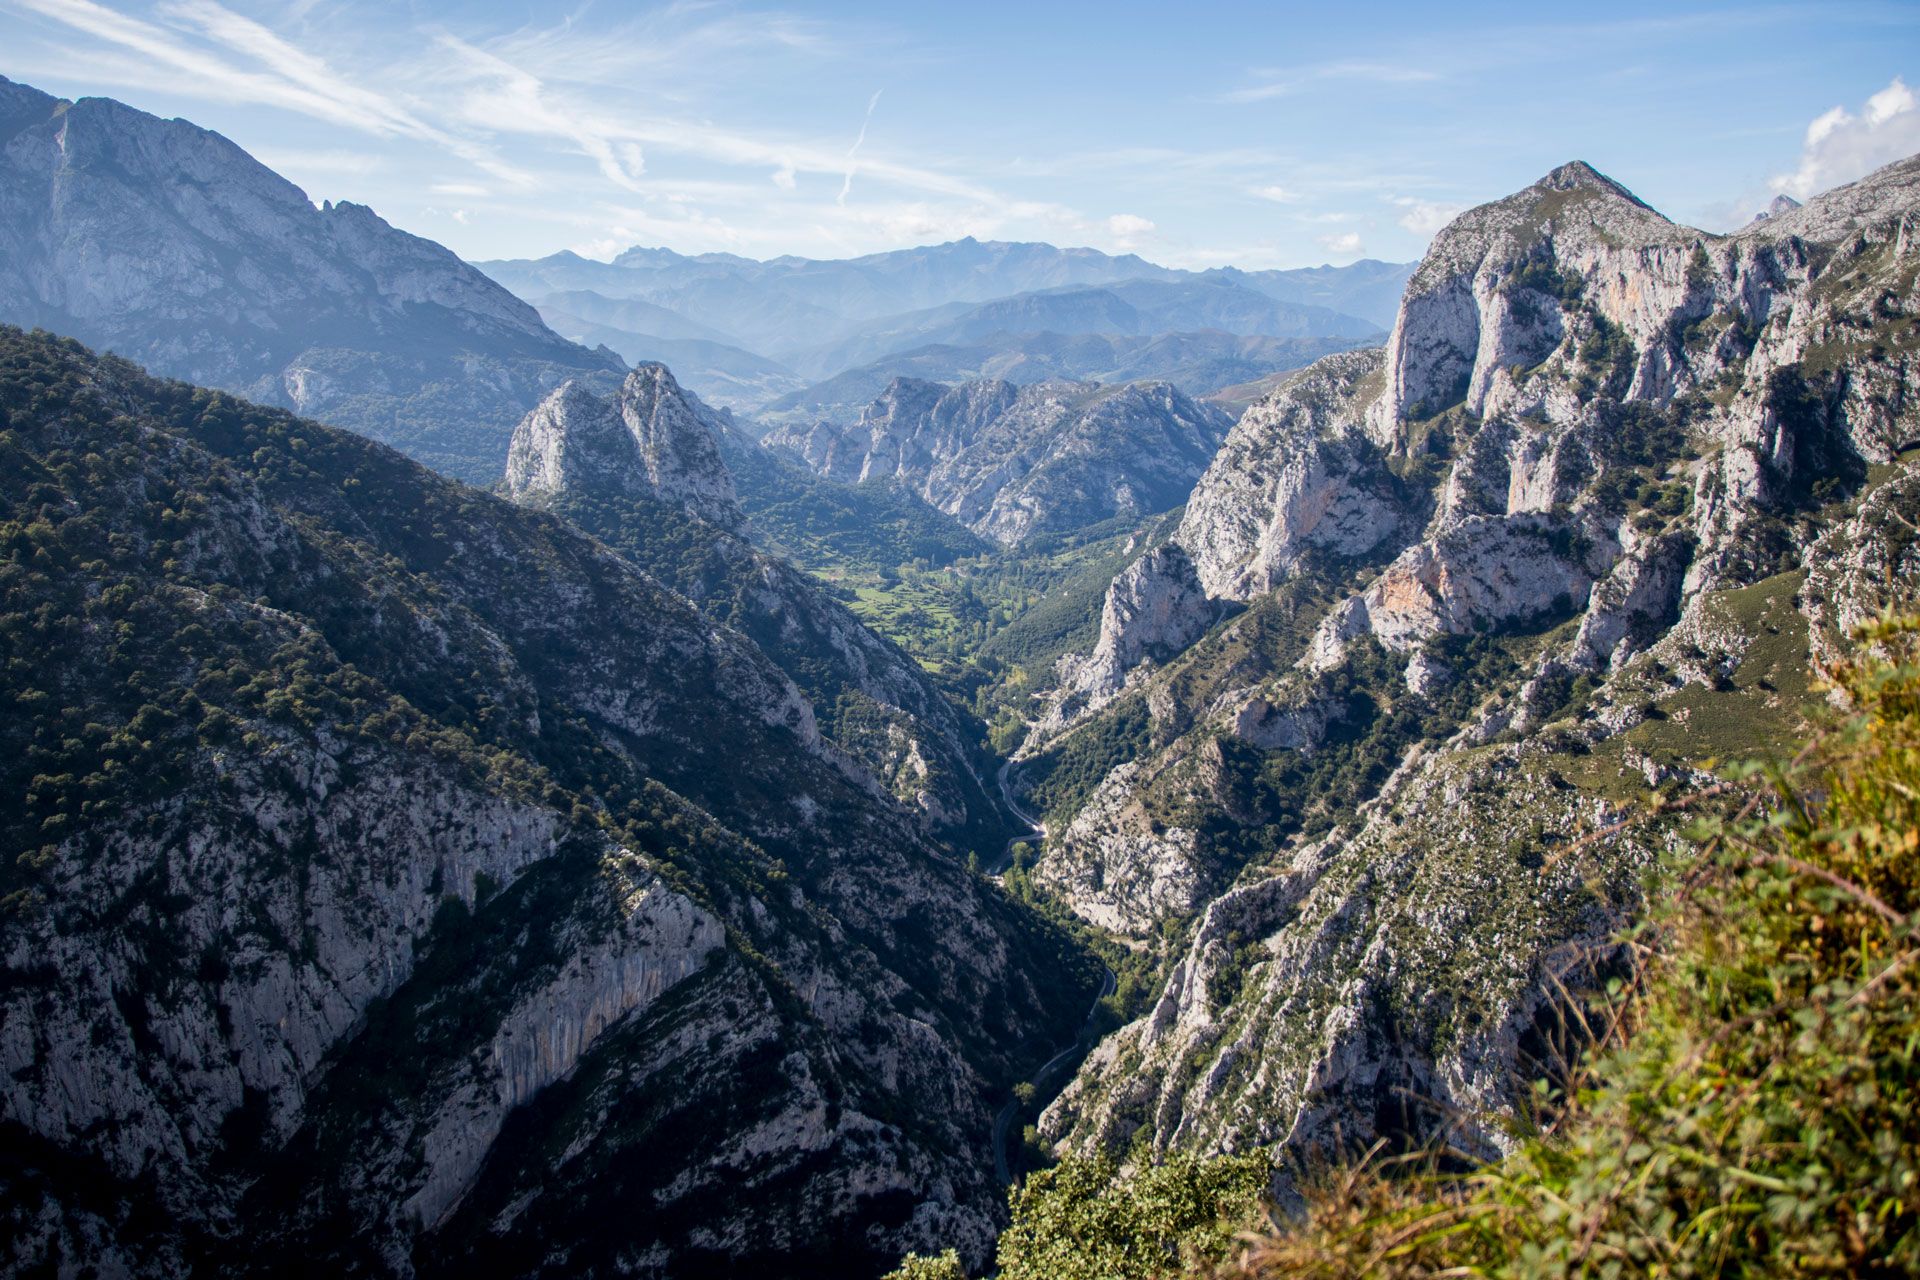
x: 1574, y: 205
x: 1782, y: 203
x: 649, y: 439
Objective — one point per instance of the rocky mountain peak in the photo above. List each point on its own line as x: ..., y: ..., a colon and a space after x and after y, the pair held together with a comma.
x: 904, y: 398
x: 649, y: 439
x: 1882, y: 204
x: 1578, y: 175
x: 21, y: 103
x: 1782, y: 203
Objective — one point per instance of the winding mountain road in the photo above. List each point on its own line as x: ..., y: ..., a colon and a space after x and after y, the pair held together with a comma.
x: 1003, y: 1122
x: 1036, y: 829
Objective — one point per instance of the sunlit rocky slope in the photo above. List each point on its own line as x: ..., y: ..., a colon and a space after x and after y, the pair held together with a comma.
x: 1437, y: 614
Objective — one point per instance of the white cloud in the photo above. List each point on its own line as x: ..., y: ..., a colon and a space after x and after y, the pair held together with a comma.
x: 459, y: 189
x: 1276, y: 193
x: 1841, y: 146
x: 462, y: 217
x: 1347, y: 243
x: 1425, y: 217
x: 1128, y: 230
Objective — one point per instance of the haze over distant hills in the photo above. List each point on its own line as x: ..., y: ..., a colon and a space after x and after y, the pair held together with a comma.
x: 1021, y: 310
x: 1197, y: 362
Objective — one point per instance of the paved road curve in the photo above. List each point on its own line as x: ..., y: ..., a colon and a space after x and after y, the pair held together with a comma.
x: 1036, y: 829
x: 1003, y: 1123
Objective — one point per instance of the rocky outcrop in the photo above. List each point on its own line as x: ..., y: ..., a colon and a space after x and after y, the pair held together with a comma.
x: 173, y: 247
x: 1153, y: 610
x: 1865, y: 566
x: 1010, y: 461
x: 1294, y: 479
x: 1482, y: 572
x: 1378, y: 981
x: 646, y: 440
x: 1121, y: 871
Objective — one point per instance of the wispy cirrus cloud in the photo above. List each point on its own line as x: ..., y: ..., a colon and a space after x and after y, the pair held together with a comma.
x: 846, y: 183
x: 495, y: 95
x: 274, y: 74
x: 506, y: 99
x: 560, y: 82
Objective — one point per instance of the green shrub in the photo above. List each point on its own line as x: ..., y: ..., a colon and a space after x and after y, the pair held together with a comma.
x: 943, y: 1266
x: 1081, y: 1220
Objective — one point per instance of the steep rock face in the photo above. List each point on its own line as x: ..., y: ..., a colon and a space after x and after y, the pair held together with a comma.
x: 1550, y: 346
x: 173, y: 247
x: 1292, y: 480
x: 441, y: 877
x: 1011, y: 461
x: 1482, y: 571
x: 1360, y: 965
x: 1865, y: 565
x: 1155, y: 608
x: 1119, y: 872
x: 645, y: 440
x: 1602, y: 447
x: 1137, y: 854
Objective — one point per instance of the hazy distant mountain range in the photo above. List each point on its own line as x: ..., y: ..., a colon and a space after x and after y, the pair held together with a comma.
x: 1129, y: 308
x: 1198, y: 362
x: 1017, y: 310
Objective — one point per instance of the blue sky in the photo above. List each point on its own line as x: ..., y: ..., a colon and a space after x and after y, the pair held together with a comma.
x: 1197, y: 134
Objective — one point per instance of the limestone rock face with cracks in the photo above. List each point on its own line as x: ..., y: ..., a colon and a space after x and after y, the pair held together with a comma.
x: 1010, y: 462
x: 1573, y: 529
